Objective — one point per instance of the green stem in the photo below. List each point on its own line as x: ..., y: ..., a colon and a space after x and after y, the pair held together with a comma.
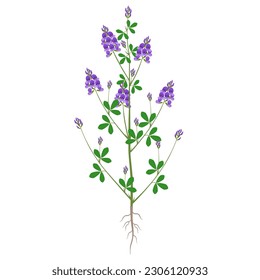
x: 101, y: 164
x: 109, y: 115
x: 124, y: 119
x: 148, y: 128
x: 108, y: 100
x: 135, y: 73
x: 157, y: 173
x: 120, y: 64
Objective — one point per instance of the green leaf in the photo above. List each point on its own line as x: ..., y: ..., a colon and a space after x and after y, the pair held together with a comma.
x: 107, y: 160
x: 152, y: 117
x: 128, y: 59
x: 116, y: 112
x: 144, y: 116
x: 150, y: 171
x: 155, y: 189
x: 130, y: 181
x: 125, y: 84
x: 153, y: 130
x: 101, y: 177
x: 122, y: 61
x: 132, y: 190
x: 105, y: 118
x: 121, y: 55
x: 140, y: 134
x: 136, y: 82
x: 135, y: 49
x: 110, y: 129
x: 104, y: 152
x: 160, y: 164
x: 130, y: 141
x: 122, y: 76
x: 131, y: 133
x: 160, y: 178
x: 128, y: 23
x: 148, y: 141
x: 133, y: 90
x: 94, y: 174
x: 156, y: 138
x: 119, y: 31
x: 97, y: 153
x: 103, y: 125
x: 122, y: 182
x: 138, y: 87
x: 126, y: 36
x: 134, y: 24
x: 120, y: 36
x: 132, y: 30
x: 114, y: 104
x: 97, y: 167
x: 120, y: 82
x: 152, y: 163
x: 131, y: 47
x: 143, y: 124
x: 163, y: 186
x: 106, y: 104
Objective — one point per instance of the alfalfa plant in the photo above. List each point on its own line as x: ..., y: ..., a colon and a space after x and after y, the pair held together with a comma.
x: 133, y: 131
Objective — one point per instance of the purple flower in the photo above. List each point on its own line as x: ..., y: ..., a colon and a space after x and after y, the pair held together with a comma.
x: 109, y: 41
x: 128, y: 12
x: 109, y: 84
x: 144, y: 51
x: 92, y: 82
x: 123, y: 96
x: 136, y: 121
x: 166, y: 94
x: 78, y: 122
x: 100, y: 140
x: 125, y: 169
x: 132, y: 72
x: 123, y: 44
x: 149, y: 96
x: 178, y: 134
x: 158, y: 144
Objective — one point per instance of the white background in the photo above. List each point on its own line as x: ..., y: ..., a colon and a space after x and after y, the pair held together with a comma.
x: 53, y: 214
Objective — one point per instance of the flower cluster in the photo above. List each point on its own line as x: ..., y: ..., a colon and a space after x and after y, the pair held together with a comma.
x: 144, y: 51
x: 178, y: 134
x: 78, y: 123
x: 166, y: 94
x: 123, y: 96
x: 109, y: 41
x: 92, y: 82
x: 128, y: 12
x: 100, y: 140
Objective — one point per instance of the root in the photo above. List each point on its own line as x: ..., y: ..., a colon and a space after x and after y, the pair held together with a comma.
x: 126, y: 224
x: 133, y: 226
